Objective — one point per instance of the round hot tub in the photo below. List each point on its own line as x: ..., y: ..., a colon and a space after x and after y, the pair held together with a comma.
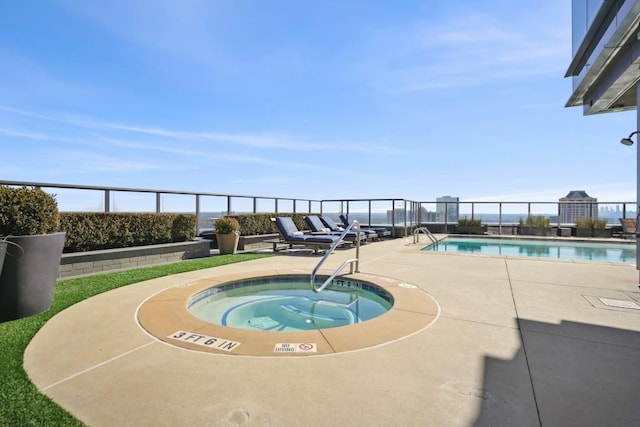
x: 287, y: 303
x: 275, y: 313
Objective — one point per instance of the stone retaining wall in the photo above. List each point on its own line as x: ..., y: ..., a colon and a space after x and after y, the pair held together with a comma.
x: 86, y: 263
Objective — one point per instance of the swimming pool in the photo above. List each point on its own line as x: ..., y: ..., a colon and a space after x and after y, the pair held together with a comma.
x: 287, y: 303
x: 612, y: 252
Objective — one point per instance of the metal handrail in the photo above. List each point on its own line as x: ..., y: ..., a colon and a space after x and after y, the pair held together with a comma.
x: 423, y: 230
x: 329, y: 251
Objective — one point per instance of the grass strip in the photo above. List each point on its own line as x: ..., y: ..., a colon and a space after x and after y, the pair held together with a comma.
x: 21, y: 404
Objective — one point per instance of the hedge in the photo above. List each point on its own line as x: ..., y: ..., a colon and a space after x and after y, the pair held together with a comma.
x: 255, y: 224
x: 94, y: 231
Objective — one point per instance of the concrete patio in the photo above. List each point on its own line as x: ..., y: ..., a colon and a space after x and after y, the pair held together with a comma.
x: 518, y: 341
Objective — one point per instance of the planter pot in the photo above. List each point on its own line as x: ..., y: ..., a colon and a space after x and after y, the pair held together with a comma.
x: 583, y: 232
x: 601, y: 232
x: 227, y: 243
x: 535, y: 231
x: 29, y: 275
x: 471, y: 229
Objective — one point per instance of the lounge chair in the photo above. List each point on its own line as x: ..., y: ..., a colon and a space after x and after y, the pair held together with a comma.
x: 629, y: 228
x: 381, y: 231
x: 292, y: 236
x: 318, y: 227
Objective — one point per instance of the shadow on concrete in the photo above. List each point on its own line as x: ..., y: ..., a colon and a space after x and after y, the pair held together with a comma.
x: 580, y: 374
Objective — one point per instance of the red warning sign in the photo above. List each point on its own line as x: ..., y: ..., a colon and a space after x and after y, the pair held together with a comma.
x: 306, y: 346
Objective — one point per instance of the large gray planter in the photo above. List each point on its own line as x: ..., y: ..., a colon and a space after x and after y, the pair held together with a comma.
x: 29, y: 275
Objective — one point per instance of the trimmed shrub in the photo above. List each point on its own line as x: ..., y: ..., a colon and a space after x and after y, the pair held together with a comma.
x: 94, y: 231
x: 27, y: 211
x: 226, y: 225
x: 535, y: 221
x: 468, y: 222
x: 591, y: 223
x: 183, y: 228
x: 584, y: 223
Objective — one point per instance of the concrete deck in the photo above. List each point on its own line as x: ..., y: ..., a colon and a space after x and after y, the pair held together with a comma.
x: 518, y: 341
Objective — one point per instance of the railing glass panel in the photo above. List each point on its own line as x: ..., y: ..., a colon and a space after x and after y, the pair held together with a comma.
x: 72, y: 200
x: 177, y: 203
x: 127, y: 201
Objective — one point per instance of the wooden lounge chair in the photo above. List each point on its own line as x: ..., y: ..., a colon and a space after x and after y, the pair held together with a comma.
x: 318, y: 227
x: 292, y: 236
x: 629, y: 228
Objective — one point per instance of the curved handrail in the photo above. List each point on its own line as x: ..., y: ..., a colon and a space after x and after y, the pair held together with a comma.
x: 355, y: 260
x: 14, y: 244
x: 424, y: 230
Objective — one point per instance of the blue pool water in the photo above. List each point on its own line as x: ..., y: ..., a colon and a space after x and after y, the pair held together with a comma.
x: 282, y: 303
x: 612, y: 252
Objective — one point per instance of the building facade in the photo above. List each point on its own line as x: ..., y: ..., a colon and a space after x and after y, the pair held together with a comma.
x: 447, y: 209
x: 577, y: 205
x: 605, y: 64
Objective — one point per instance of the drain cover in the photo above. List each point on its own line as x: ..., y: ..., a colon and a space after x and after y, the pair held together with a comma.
x: 618, y: 303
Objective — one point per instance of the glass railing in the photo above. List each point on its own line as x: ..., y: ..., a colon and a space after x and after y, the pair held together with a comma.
x: 395, y: 214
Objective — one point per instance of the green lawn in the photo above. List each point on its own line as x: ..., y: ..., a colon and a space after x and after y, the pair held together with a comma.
x: 21, y: 404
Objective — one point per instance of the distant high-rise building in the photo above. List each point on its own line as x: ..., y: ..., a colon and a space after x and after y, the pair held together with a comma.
x: 396, y: 216
x: 447, y: 207
x: 577, y: 204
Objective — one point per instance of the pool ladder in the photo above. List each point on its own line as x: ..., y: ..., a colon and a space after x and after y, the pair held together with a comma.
x: 423, y: 230
x: 329, y: 251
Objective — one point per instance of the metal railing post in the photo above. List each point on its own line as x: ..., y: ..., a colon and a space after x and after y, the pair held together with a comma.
x: 197, y: 214
x: 107, y: 201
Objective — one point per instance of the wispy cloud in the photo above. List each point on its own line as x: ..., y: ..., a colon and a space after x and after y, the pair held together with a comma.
x: 84, y: 162
x: 263, y: 141
x: 469, y: 48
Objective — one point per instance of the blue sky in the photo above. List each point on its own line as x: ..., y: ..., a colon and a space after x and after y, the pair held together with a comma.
x: 337, y: 99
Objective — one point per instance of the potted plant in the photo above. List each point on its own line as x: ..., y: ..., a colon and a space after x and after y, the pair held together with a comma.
x: 227, y: 230
x: 535, y: 225
x: 470, y: 226
x: 584, y: 227
x: 592, y: 227
x: 599, y: 228
x: 29, y: 221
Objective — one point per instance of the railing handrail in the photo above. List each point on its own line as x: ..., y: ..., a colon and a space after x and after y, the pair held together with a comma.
x: 424, y: 230
x: 403, y: 213
x: 143, y: 190
x: 329, y: 251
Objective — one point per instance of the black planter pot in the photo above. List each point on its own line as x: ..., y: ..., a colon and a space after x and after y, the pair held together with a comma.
x: 29, y: 275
